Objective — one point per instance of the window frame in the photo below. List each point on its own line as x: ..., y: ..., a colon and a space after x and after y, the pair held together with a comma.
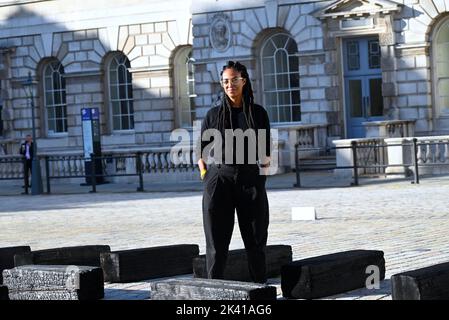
x: 439, y: 110
x: 126, y: 63
x: 275, y: 74
x: 63, y: 102
x: 183, y: 59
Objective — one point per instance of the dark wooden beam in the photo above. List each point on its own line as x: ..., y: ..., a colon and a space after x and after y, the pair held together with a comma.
x: 148, y: 263
x: 331, y: 274
x: 7, y: 257
x: 237, y: 263
x: 79, y: 255
x: 430, y: 283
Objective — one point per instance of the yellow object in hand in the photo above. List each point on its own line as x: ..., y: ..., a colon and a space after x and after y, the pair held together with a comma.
x: 203, y: 173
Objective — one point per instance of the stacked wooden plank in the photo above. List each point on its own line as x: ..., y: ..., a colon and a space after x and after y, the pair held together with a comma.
x: 148, y: 263
x: 7, y: 257
x: 4, y: 293
x: 331, y: 274
x: 43, y: 282
x: 208, y: 289
x: 237, y: 263
x: 430, y: 283
x: 80, y: 256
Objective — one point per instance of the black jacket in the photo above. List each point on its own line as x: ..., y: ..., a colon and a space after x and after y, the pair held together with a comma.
x: 23, y: 150
x: 220, y: 117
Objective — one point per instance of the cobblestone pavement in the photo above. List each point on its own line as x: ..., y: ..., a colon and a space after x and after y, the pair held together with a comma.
x: 408, y: 222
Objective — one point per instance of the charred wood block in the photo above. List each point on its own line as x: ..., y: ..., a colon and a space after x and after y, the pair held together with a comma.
x: 331, y: 274
x: 48, y: 295
x: 7, y: 257
x: 79, y: 256
x: 210, y: 289
x: 148, y: 263
x: 237, y: 263
x: 86, y: 283
x: 4, y: 293
x: 430, y: 283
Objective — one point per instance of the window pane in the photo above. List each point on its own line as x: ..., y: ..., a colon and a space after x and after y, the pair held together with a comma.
x: 116, y: 123
x: 116, y: 108
x: 353, y: 55
x: 114, y: 92
x: 273, y: 113
x: 269, y: 82
x: 280, y: 40
x: 281, y: 61
x: 122, y: 91
x: 291, y: 47
x: 284, y: 98
x: 293, y: 64
x: 49, y: 98
x: 355, y: 98
x: 60, y: 125
x: 284, y: 114
x: 377, y: 101
x: 51, y: 113
x: 282, y: 81
x: 124, y: 107
x: 59, y: 113
x: 268, y: 65
x: 374, y: 54
x: 268, y: 50
x: 296, y: 111
x: 294, y: 80
x: 296, y: 99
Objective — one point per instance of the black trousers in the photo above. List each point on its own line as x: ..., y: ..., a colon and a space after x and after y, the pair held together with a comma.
x: 27, y: 170
x: 228, y: 189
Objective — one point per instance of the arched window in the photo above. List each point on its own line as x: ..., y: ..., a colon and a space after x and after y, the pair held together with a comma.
x: 55, y: 98
x: 441, y: 67
x: 280, y: 69
x: 184, y: 74
x: 120, y: 93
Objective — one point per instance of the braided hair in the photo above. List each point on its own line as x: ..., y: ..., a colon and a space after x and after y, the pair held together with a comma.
x: 248, y: 98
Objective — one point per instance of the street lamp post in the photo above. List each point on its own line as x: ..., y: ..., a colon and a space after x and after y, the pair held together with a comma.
x: 36, y: 176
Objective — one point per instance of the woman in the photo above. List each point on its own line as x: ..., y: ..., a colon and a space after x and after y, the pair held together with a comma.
x: 235, y: 185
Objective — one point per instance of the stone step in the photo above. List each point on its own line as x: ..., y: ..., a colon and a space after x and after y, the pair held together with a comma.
x: 331, y: 274
x: 7, y: 257
x: 83, y: 281
x: 4, y: 293
x: 210, y: 289
x: 430, y: 283
x: 237, y: 263
x: 79, y: 256
x: 148, y: 263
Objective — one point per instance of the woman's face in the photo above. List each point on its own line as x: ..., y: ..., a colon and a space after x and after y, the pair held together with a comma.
x: 233, y: 84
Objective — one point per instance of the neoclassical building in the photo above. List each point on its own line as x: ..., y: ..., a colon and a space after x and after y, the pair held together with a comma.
x: 131, y: 59
x: 324, y: 70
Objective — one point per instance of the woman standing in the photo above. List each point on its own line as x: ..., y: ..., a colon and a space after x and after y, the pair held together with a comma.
x: 231, y: 184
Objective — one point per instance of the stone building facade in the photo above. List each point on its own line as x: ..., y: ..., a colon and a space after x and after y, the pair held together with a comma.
x: 130, y: 59
x: 324, y: 70
x: 366, y: 67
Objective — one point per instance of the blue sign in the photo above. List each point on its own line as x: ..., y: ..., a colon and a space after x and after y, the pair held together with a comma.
x: 86, y: 114
x: 95, y: 114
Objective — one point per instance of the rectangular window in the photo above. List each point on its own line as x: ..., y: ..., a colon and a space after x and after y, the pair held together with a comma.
x: 374, y: 54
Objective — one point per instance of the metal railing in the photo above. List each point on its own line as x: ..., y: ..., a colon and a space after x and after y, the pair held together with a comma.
x: 379, y: 164
x: 65, y: 167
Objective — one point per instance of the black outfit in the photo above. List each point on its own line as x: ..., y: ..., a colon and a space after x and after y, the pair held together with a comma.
x: 231, y: 187
x: 27, y: 162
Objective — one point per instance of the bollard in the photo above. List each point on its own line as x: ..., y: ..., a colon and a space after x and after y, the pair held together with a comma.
x: 47, y: 171
x: 298, y: 176
x: 415, y: 161
x: 139, y: 171
x: 354, y: 157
